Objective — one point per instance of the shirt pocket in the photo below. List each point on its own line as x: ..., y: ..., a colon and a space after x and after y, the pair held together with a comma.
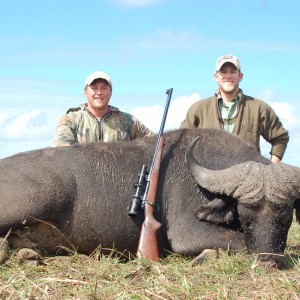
x: 250, y: 132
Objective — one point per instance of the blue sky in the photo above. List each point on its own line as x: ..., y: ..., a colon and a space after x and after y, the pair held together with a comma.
x: 47, y: 48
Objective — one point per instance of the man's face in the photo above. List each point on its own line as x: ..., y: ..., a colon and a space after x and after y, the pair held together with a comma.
x: 228, y: 78
x: 98, y: 94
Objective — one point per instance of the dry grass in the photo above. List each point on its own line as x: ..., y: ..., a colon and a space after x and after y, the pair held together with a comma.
x: 81, y: 277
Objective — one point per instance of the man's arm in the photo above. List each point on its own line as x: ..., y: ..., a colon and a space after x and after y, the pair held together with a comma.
x: 279, y: 142
x: 191, y: 119
x: 275, y: 159
x: 64, y: 135
x: 274, y: 133
x: 139, y: 130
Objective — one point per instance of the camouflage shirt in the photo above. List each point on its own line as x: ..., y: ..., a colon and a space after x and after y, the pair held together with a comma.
x: 78, y: 125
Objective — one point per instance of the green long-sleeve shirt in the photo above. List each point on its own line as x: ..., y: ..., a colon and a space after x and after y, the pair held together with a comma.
x: 254, y: 118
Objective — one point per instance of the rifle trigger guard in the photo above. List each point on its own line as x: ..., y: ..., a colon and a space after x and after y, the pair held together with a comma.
x: 155, y: 205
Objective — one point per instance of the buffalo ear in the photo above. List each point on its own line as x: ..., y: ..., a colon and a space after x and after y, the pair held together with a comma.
x: 297, y: 208
x: 217, y: 211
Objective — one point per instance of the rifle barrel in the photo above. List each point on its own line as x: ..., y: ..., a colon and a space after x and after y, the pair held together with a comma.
x: 161, y: 130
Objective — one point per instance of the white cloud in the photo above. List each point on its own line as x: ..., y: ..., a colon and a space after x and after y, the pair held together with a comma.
x: 32, y: 125
x: 27, y: 125
x: 285, y: 112
x: 3, y: 117
x: 151, y: 116
x: 267, y: 94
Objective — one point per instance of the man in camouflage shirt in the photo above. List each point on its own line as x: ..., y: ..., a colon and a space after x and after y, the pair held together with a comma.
x: 96, y: 120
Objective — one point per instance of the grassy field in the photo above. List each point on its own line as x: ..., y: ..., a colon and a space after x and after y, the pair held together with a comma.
x: 81, y: 277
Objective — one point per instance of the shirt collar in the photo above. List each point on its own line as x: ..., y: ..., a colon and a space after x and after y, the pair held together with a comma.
x: 237, y: 98
x: 110, y: 107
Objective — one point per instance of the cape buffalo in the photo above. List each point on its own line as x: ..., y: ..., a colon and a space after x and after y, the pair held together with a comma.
x: 217, y: 193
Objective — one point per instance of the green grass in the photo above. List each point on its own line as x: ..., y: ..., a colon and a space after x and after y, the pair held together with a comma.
x: 77, y: 276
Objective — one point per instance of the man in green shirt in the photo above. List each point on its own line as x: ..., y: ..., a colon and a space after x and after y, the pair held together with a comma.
x: 229, y: 109
x: 96, y: 120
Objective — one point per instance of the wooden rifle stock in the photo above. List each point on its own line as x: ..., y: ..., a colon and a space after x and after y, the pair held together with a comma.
x: 148, y: 246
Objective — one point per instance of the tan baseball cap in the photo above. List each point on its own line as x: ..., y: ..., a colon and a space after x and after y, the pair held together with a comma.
x: 225, y: 59
x: 97, y: 75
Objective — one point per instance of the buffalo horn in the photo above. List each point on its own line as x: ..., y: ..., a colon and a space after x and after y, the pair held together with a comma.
x: 248, y: 182
x: 239, y: 181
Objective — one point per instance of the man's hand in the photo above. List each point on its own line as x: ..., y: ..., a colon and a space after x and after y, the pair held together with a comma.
x: 275, y: 159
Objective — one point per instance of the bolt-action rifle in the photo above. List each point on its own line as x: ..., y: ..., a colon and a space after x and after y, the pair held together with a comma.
x: 146, y: 190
